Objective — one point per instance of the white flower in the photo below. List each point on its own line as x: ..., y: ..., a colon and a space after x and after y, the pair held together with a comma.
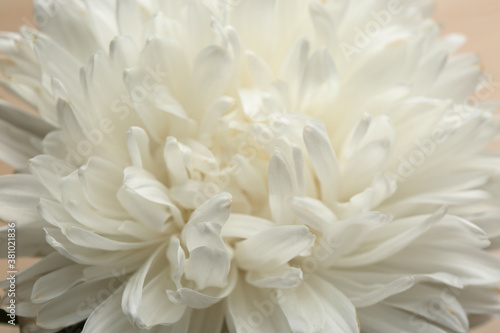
x: 250, y: 166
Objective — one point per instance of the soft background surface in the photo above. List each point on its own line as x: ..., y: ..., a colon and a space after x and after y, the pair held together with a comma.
x: 479, y: 20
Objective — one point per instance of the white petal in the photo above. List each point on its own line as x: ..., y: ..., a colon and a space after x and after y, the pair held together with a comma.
x: 212, y: 115
x: 472, y: 265
x: 45, y: 168
x: 359, y: 171
x: 156, y: 308
x: 77, y: 38
x: 166, y: 102
x: 317, y: 306
x: 73, y: 306
x: 208, y: 320
x: 24, y: 306
x: 170, y: 72
x: 93, y: 240
x: 450, y: 315
x: 99, y: 12
x: 244, y: 226
x: 312, y: 212
x: 19, y: 197
x: 212, y: 69
x: 139, y: 148
x: 123, y: 52
x: 145, y: 187
x: 108, y: 317
x: 365, y: 288
x: 83, y: 214
x: 214, y: 210
x: 100, y: 180
x: 188, y: 195
x: 144, y: 212
x: 392, y: 245
x: 56, y: 283
x: 175, y: 161
x: 324, y: 161
x: 346, y: 236
x: 176, y: 257
x: 132, y: 294
x: 254, y: 310
x: 280, y: 189
x: 87, y: 256
x: 23, y: 120
x: 320, y: 80
x: 46, y: 49
x: 209, y: 262
x: 142, y: 94
x: 479, y: 300
x: 16, y: 146
x: 30, y: 240
x: 192, y: 298
x: 249, y: 179
x: 340, y: 313
x: 323, y: 24
x: 295, y: 62
x: 49, y: 263
x: 201, y: 300
x: 261, y: 73
x: 208, y: 267
x: 357, y: 204
x: 282, y: 277
x: 273, y: 247
x: 375, y: 316
x: 128, y: 17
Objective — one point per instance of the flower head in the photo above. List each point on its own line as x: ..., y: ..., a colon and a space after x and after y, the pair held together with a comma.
x: 250, y: 166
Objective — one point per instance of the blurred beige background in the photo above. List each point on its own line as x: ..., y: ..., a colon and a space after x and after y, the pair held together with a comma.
x: 479, y: 20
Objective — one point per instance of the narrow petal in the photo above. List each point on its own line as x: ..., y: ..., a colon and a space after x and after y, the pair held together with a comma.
x: 279, y: 278
x: 273, y: 247
x: 254, y: 310
x: 280, y: 188
x: 72, y: 306
x: 317, y: 306
x: 324, y: 161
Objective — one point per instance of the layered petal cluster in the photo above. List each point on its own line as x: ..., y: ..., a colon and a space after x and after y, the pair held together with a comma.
x: 248, y: 166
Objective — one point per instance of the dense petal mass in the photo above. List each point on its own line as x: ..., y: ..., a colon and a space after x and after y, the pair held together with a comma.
x: 239, y: 166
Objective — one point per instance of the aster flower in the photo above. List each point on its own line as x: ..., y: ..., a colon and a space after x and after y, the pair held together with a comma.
x: 248, y: 166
